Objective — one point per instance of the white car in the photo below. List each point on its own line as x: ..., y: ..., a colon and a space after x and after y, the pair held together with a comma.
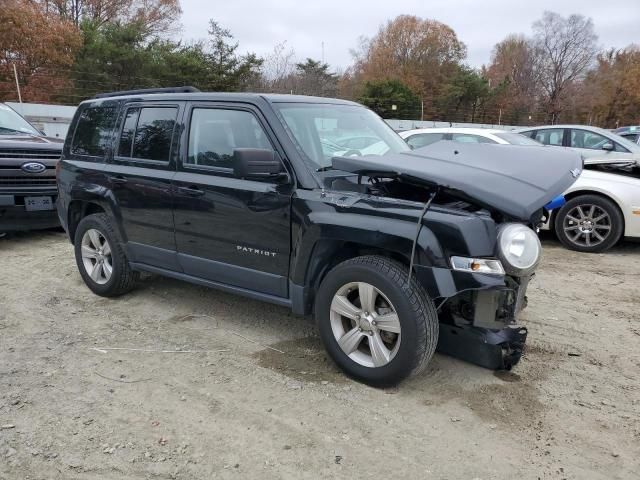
x: 603, y: 205
x: 426, y: 136
x: 596, y: 145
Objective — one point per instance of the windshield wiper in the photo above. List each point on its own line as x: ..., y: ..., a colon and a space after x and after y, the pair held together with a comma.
x: 325, y: 169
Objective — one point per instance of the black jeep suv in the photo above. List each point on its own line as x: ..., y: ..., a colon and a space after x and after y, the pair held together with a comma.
x: 27, y: 174
x: 393, y: 251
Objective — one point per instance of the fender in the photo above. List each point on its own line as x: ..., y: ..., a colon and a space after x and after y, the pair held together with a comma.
x: 366, y: 224
x: 94, y: 188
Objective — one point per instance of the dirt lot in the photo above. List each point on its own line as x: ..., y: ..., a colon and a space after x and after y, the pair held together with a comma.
x: 238, y: 408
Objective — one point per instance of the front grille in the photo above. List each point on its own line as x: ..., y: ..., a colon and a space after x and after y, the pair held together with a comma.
x: 27, y: 181
x: 30, y: 154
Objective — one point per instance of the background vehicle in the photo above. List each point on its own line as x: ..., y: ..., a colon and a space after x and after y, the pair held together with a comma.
x: 426, y: 136
x: 593, y: 143
x: 630, y: 133
x: 27, y: 174
x: 237, y: 192
x: 603, y: 205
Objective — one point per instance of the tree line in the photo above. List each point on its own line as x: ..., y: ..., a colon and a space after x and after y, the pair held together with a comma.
x: 64, y: 51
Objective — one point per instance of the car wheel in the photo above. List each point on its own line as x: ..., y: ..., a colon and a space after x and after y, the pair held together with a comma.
x: 100, y: 257
x: 377, y: 327
x: 589, y: 223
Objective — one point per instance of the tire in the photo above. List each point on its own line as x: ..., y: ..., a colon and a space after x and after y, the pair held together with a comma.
x: 416, y: 320
x: 603, y: 228
x: 121, y: 279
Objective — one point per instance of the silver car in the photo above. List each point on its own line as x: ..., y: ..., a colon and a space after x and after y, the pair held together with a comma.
x: 630, y: 133
x: 596, y: 145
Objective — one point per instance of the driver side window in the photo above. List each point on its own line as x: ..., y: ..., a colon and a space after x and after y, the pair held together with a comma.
x: 214, y: 133
x: 591, y: 140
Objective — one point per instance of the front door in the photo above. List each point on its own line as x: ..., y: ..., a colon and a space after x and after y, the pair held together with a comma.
x: 230, y: 230
x: 140, y: 174
x: 592, y: 145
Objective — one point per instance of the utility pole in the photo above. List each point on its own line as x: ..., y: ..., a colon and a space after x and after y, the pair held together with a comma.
x: 422, y: 109
x: 15, y: 74
x: 323, y: 53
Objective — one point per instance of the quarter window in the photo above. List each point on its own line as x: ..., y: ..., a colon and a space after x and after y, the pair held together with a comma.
x: 423, y: 139
x: 93, y: 131
x: 215, y: 133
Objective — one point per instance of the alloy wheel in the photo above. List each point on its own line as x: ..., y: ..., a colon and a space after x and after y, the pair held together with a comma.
x: 587, y: 225
x: 365, y: 324
x: 96, y: 256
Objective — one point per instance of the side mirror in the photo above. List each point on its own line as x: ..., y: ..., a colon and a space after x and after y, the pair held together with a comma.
x: 257, y: 164
x: 609, y: 147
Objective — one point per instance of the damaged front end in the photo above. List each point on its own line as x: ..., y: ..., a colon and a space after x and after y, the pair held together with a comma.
x: 480, y: 326
x: 479, y: 296
x: 478, y: 314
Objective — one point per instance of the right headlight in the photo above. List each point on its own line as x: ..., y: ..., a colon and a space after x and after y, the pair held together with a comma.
x: 519, y: 248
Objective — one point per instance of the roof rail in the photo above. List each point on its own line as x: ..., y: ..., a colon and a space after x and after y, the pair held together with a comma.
x: 147, y: 91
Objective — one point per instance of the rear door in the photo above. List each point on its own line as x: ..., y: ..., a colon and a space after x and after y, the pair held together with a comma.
x: 140, y: 174
x: 230, y: 230
x: 549, y: 136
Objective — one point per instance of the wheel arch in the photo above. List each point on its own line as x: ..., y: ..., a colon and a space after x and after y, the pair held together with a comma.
x: 79, y: 209
x: 332, y: 252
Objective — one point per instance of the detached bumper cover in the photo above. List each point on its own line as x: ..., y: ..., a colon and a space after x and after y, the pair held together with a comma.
x: 494, y: 349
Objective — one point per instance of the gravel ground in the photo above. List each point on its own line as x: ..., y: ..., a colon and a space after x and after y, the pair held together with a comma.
x: 256, y: 396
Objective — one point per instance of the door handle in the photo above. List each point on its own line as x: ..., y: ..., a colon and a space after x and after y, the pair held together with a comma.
x: 192, y: 191
x: 119, y: 179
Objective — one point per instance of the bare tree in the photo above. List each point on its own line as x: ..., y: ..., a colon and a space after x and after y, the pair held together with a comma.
x: 566, y: 49
x: 278, y: 69
x: 159, y: 17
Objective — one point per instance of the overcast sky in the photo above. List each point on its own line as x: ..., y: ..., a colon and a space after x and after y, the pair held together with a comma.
x: 260, y: 24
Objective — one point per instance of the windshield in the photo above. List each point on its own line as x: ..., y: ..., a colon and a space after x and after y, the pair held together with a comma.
x: 323, y: 131
x: 12, y: 123
x: 517, y: 139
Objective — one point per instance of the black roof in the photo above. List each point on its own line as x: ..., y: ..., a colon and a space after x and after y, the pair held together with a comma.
x: 193, y: 94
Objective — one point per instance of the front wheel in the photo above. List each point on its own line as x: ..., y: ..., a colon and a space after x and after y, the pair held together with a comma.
x: 589, y: 223
x: 377, y: 327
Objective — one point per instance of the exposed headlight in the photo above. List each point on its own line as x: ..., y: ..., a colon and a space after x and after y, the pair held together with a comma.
x: 477, y: 265
x: 518, y: 248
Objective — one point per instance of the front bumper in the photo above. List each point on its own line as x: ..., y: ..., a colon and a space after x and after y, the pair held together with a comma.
x: 14, y: 217
x: 478, y: 315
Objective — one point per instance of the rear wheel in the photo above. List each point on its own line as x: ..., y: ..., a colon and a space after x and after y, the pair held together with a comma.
x: 589, y: 223
x: 100, y: 257
x: 378, y: 328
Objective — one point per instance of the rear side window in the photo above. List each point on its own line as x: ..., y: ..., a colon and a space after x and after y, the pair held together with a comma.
x: 470, y: 138
x: 93, y: 131
x: 551, y: 136
x: 147, y: 133
x: 424, y: 139
x: 215, y: 133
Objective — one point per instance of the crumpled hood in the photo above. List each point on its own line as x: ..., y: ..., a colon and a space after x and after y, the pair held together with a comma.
x: 515, y: 180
